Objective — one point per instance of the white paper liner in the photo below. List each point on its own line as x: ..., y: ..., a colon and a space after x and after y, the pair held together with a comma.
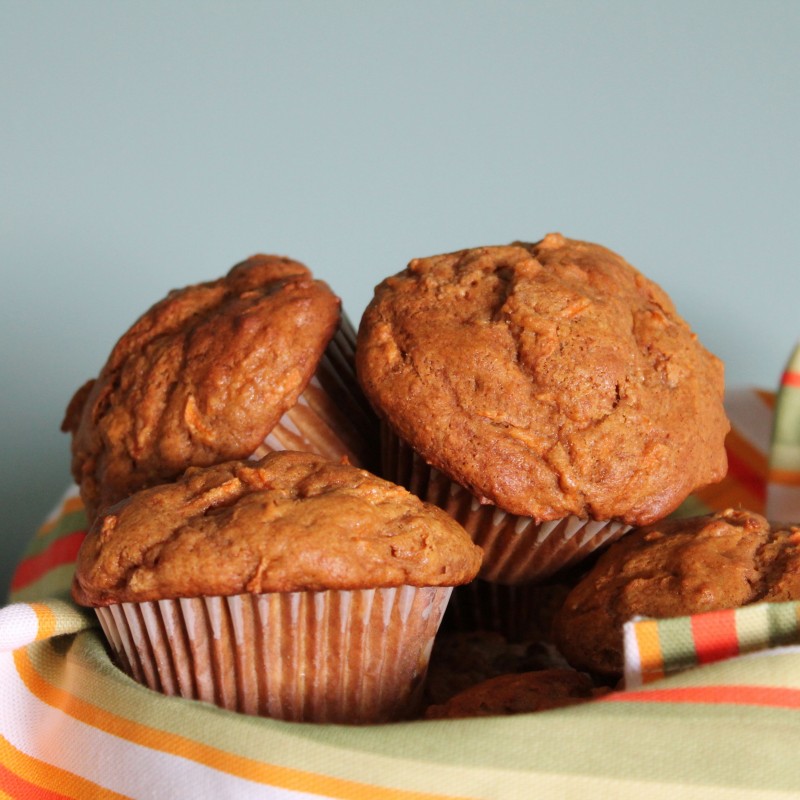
x: 516, y: 549
x: 331, y: 416
x: 338, y: 656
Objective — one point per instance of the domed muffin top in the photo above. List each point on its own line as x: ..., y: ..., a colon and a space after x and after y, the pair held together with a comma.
x: 289, y: 522
x: 199, y: 378
x: 676, y: 568
x: 549, y: 379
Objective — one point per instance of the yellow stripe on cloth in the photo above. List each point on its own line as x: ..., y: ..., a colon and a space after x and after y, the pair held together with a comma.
x: 784, y: 477
x: 47, y: 622
x: 194, y: 750
x: 651, y: 657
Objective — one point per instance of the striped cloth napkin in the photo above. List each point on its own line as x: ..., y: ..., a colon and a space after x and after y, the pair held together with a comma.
x: 711, y: 707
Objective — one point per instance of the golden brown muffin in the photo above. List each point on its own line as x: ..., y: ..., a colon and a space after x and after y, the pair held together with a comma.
x: 519, y: 693
x: 671, y: 569
x: 291, y: 587
x: 549, y: 379
x: 203, y: 377
x: 286, y: 523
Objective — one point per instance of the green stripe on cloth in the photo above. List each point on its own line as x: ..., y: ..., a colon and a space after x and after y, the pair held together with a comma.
x: 53, y: 585
x: 677, y: 644
x: 784, y: 623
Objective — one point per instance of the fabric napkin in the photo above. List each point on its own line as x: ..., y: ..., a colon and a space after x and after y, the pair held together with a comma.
x: 711, y: 707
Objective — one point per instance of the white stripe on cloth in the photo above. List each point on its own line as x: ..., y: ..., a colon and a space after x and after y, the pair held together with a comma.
x: 633, y: 657
x: 18, y: 626
x: 46, y: 733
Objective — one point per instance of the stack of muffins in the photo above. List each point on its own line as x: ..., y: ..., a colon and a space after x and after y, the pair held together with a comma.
x: 289, y: 583
x: 257, y: 543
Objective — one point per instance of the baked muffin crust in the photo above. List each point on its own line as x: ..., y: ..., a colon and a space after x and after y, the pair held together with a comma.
x: 200, y: 378
x: 289, y: 522
x: 518, y: 693
x: 549, y: 379
x: 676, y: 568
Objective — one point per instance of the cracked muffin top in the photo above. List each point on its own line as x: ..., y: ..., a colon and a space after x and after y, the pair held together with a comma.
x: 289, y: 522
x: 671, y: 569
x: 549, y: 379
x: 199, y: 378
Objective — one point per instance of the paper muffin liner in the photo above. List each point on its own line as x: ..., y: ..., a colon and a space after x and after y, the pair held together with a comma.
x: 336, y: 656
x: 516, y: 549
x: 331, y: 416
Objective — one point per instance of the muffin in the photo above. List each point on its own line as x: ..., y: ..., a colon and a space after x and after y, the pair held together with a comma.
x: 259, y: 360
x: 291, y: 587
x: 547, y: 395
x: 520, y: 693
x: 671, y: 569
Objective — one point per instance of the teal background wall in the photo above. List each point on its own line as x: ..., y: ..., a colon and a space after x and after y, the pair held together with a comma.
x: 148, y: 145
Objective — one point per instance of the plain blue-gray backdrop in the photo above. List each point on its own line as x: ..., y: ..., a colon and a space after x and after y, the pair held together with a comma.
x: 149, y: 145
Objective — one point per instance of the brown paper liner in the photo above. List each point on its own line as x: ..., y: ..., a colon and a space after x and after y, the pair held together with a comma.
x: 331, y: 416
x: 337, y: 656
x: 516, y: 549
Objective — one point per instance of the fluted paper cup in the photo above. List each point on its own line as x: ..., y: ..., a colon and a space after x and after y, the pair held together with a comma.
x: 335, y: 656
x: 516, y: 549
x: 331, y: 417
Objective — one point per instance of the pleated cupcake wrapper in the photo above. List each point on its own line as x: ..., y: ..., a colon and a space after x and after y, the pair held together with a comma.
x: 516, y: 548
x: 331, y: 417
x: 337, y: 656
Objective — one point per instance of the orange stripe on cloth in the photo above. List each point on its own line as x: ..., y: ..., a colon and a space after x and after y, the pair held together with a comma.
x: 22, y: 775
x: 651, y: 659
x: 715, y: 636
x: 785, y: 477
x: 184, y: 747
x: 768, y: 398
x: 771, y: 696
x: 61, y: 551
x: 46, y: 621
